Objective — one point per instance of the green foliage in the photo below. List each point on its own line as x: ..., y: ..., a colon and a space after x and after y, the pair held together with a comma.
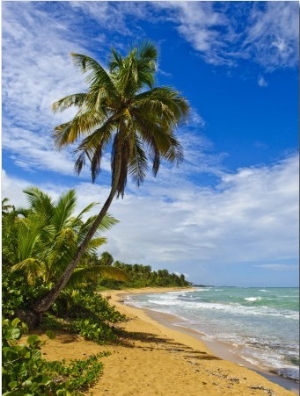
x: 106, y: 259
x: 93, y: 329
x: 12, y: 295
x: 99, y: 306
x: 43, y: 237
x: 142, y: 276
x: 86, y: 313
x: 16, y: 294
x: 40, y: 241
x: 25, y: 373
x: 38, y: 244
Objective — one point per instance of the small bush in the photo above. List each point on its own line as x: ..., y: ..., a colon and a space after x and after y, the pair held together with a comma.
x: 84, y: 313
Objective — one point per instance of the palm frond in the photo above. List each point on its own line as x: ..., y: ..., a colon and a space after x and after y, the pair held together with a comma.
x: 107, y: 222
x: 115, y: 60
x: 28, y: 236
x: 71, y: 100
x: 32, y: 269
x: 66, y: 236
x: 138, y: 162
x: 83, y: 276
x: 64, y: 209
x: 39, y: 200
x: 167, y: 99
x: 85, y: 210
x: 83, y: 123
x: 97, y: 77
x: 147, y: 50
x: 95, y: 243
x: 92, y: 147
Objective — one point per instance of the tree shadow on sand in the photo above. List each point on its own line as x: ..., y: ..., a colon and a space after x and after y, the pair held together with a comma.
x: 133, y: 339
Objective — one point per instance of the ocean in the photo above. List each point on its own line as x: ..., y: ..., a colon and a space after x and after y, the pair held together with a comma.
x: 261, y: 325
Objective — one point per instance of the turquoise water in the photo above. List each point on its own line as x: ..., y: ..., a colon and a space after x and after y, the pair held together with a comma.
x: 260, y: 324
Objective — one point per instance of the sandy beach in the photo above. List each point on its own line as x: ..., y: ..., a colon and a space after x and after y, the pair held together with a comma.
x: 154, y: 359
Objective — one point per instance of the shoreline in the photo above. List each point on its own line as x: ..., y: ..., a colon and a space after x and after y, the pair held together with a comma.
x: 218, y: 348
x: 222, y: 350
x: 152, y: 359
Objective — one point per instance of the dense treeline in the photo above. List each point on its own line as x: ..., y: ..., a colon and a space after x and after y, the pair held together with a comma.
x: 140, y: 275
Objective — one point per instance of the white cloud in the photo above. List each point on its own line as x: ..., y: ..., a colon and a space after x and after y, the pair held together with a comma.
x: 272, y: 38
x: 252, y: 217
x: 198, y: 23
x: 37, y: 70
x: 262, y: 82
x: 278, y: 267
x: 226, y: 32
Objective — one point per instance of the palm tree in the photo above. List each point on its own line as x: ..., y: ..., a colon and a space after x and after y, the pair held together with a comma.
x: 121, y: 110
x: 106, y: 259
x: 47, y: 238
x: 6, y: 207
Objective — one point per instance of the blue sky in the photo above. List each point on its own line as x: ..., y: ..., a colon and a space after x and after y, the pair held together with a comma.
x: 229, y: 214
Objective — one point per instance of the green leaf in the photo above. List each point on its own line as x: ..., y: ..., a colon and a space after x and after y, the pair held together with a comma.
x: 13, y: 334
x: 13, y: 384
x: 15, y: 322
x: 34, y: 341
x: 50, y: 334
x: 27, y: 383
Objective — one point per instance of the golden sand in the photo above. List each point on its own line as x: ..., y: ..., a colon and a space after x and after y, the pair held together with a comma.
x: 152, y: 359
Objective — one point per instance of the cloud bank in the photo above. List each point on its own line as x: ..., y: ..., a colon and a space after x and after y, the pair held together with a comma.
x: 251, y: 216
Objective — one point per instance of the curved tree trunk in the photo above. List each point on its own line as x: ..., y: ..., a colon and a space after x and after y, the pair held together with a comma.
x: 45, y: 302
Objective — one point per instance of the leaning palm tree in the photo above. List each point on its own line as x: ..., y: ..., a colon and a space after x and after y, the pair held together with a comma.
x: 122, y: 111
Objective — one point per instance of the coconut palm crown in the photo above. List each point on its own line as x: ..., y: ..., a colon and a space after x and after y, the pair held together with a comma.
x: 123, y: 110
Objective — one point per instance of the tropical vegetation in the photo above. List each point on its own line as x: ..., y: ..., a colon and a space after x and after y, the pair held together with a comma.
x: 37, y: 244
x: 140, y: 275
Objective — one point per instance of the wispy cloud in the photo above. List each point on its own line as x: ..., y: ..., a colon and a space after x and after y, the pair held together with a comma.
x: 37, y: 70
x: 278, y: 267
x: 227, y: 32
x: 272, y: 37
x: 262, y: 82
x: 198, y: 23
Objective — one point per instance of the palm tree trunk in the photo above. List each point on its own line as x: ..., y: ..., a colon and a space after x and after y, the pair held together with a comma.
x: 45, y: 302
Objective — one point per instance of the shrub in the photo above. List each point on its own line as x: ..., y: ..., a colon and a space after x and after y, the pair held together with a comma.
x: 86, y: 313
